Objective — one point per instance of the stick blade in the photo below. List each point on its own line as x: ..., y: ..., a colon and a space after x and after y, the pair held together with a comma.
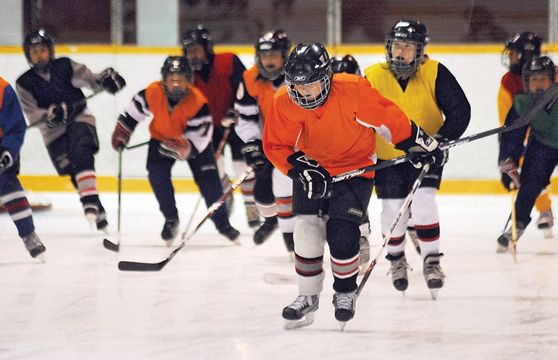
x: 109, y: 245
x: 141, y: 266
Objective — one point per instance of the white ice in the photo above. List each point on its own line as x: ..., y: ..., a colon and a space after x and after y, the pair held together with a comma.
x: 210, y: 301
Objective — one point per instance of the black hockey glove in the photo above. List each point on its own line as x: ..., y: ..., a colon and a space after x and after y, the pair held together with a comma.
x: 253, y: 154
x: 425, y: 147
x: 111, y: 81
x: 315, y: 179
x: 510, y: 175
x: 58, y: 114
x: 6, y: 159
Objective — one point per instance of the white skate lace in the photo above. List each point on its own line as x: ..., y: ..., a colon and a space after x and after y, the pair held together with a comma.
x: 344, y: 301
x: 398, y: 268
x: 31, y: 241
x: 300, y: 303
x: 433, y: 269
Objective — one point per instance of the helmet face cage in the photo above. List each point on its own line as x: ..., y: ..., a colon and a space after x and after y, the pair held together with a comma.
x: 408, y: 31
x: 198, y: 36
x: 345, y: 64
x: 526, y: 45
x: 308, y: 64
x: 35, y: 38
x: 538, y: 65
x: 272, y: 41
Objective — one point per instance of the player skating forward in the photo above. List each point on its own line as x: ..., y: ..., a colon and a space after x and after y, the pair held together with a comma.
x: 12, y: 196
x: 51, y: 96
x: 180, y: 130
x: 519, y: 50
x: 218, y: 77
x: 541, y: 152
x: 273, y: 190
x: 321, y: 125
x: 430, y: 95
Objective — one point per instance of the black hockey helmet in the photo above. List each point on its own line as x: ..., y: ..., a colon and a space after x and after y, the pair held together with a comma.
x: 538, y: 65
x: 176, y: 64
x: 307, y: 64
x: 37, y: 37
x: 345, y: 64
x: 272, y: 41
x: 199, y: 35
x: 411, y: 31
x: 526, y: 45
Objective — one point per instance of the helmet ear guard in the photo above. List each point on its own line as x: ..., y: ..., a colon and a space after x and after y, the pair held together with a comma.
x: 308, y: 64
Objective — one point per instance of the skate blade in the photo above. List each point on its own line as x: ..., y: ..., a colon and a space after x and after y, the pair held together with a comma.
x: 237, y: 242
x: 41, y: 257
x: 434, y: 293
x: 168, y: 243
x: 342, y: 325
x: 291, y: 256
x: 501, y: 249
x: 297, y: 324
x: 547, y: 233
x: 91, y: 219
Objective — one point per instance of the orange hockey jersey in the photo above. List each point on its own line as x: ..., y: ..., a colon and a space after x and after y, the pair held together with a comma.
x: 339, y: 134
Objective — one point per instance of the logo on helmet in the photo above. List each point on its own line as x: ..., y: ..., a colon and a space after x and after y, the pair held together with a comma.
x: 300, y: 78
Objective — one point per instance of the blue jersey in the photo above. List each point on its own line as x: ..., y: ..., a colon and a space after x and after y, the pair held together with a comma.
x: 12, y: 122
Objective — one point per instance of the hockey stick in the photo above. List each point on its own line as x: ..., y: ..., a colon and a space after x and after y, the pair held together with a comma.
x: 106, y: 242
x: 77, y: 103
x: 402, y: 210
x: 131, y: 147
x: 142, y: 266
x: 545, y: 102
x: 513, y: 241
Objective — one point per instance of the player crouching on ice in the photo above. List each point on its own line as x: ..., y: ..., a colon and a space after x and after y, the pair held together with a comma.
x: 180, y: 129
x: 321, y: 125
x: 541, y: 152
x: 12, y: 196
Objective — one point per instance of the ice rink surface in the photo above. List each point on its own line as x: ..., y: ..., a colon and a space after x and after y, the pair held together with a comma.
x: 211, y: 302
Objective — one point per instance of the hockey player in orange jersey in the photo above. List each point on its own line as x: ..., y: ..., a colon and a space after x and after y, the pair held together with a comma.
x: 321, y: 125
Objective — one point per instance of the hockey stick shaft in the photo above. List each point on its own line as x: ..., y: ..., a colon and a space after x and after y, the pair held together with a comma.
x: 513, y: 241
x: 106, y: 242
x: 142, y: 266
x: 546, y: 101
x: 394, y: 223
x: 137, y: 145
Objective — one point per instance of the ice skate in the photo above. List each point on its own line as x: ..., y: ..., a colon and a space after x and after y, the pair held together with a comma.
x: 412, y: 232
x: 265, y: 230
x: 433, y: 274
x: 91, y: 212
x: 34, y: 245
x: 398, y: 271
x: 504, y: 240
x: 231, y: 233
x: 344, y: 307
x: 170, y: 230
x: 289, y: 244
x: 252, y: 215
x: 102, y: 223
x: 545, y: 222
x: 300, y: 313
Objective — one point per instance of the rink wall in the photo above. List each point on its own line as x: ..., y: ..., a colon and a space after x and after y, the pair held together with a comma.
x: 472, y: 167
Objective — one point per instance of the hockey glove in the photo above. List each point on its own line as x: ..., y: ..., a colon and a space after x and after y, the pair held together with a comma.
x: 425, y: 147
x: 111, y: 81
x: 510, y: 175
x: 120, y: 136
x: 253, y: 154
x: 58, y: 114
x: 177, y: 149
x: 315, y: 179
x: 6, y: 159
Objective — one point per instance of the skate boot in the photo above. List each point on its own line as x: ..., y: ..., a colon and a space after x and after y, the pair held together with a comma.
x: 412, y: 232
x: 398, y: 271
x: 170, y: 230
x: 300, y: 313
x: 364, y: 251
x: 252, y: 215
x: 545, y: 222
x: 34, y: 245
x: 504, y: 240
x: 230, y: 233
x: 344, y: 307
x: 289, y: 244
x: 433, y: 274
x: 265, y: 230
x: 102, y: 223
